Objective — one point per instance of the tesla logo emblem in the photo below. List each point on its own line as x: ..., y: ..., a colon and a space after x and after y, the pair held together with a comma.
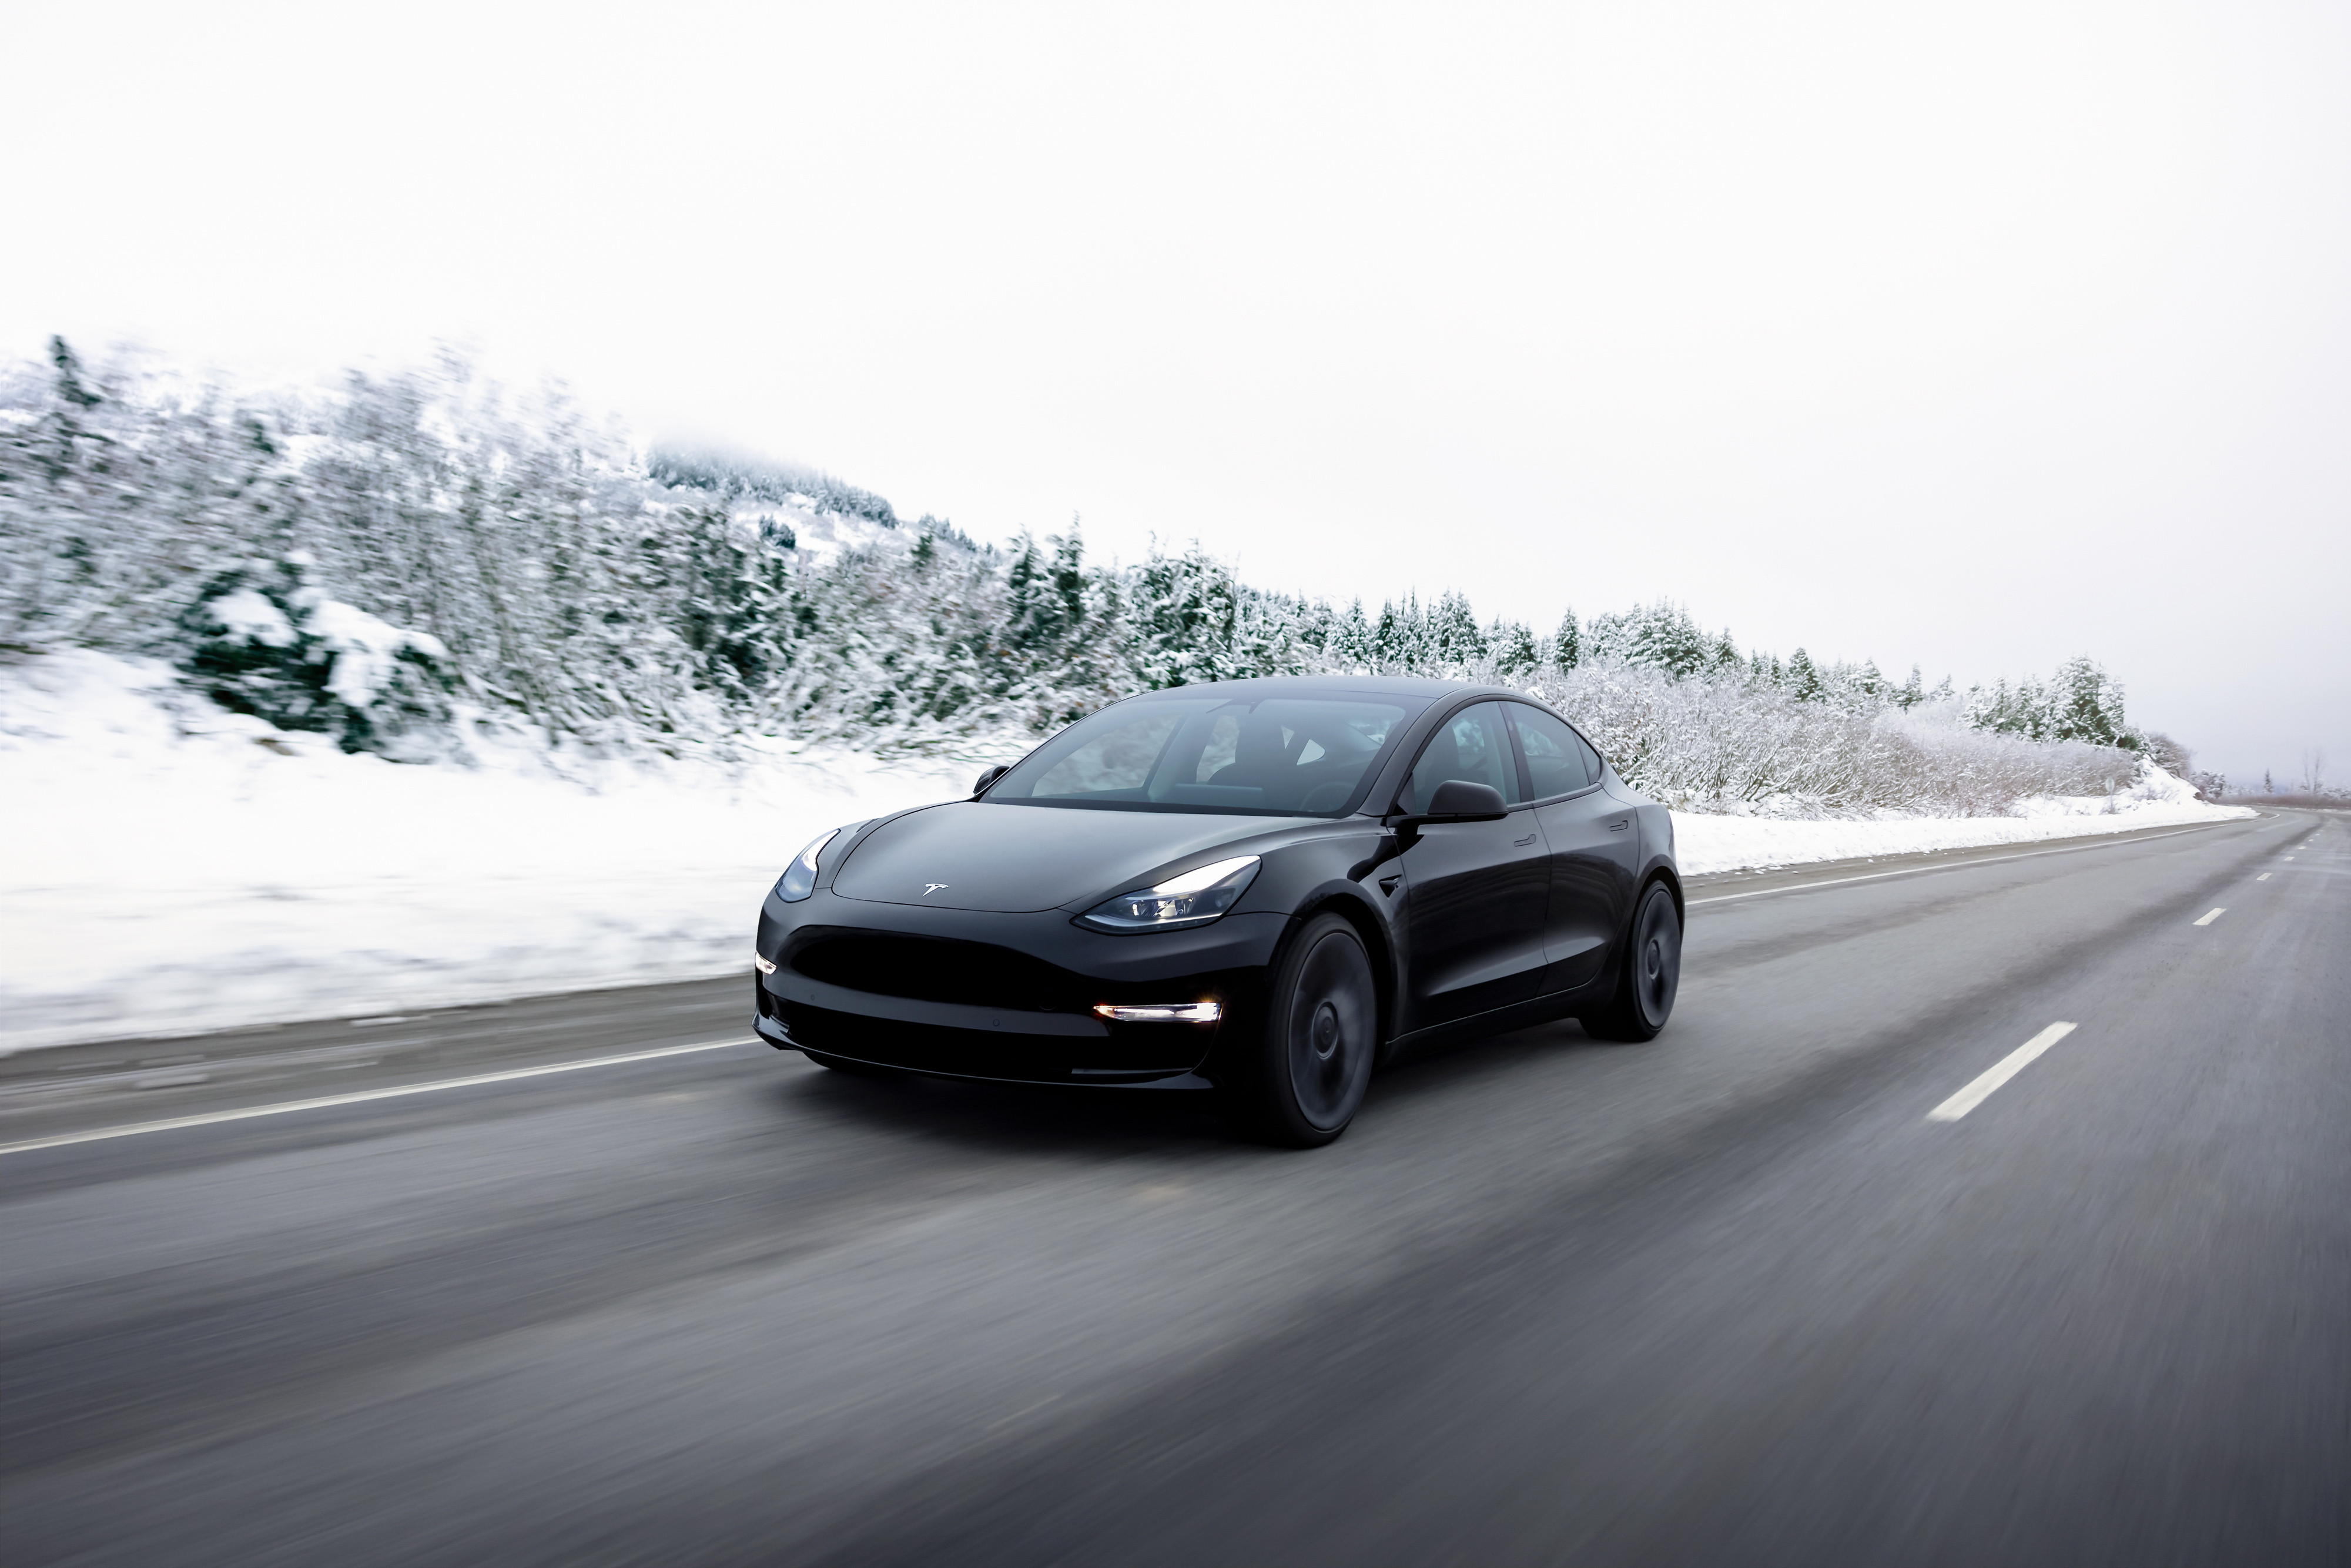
x: 931, y: 887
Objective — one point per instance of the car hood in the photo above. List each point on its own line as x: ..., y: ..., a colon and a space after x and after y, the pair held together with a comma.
x: 1021, y: 859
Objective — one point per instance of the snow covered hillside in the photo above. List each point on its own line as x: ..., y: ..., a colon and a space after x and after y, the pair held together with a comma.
x: 377, y: 561
x: 174, y: 866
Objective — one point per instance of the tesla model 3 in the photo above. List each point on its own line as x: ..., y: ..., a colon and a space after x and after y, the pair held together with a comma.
x: 1258, y: 889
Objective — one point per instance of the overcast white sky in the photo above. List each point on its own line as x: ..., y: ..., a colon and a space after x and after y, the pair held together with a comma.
x: 1971, y: 335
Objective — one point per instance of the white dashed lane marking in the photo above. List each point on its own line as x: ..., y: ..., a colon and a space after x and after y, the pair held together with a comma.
x: 2212, y: 917
x: 361, y: 1096
x: 2263, y: 877
x: 2006, y: 1068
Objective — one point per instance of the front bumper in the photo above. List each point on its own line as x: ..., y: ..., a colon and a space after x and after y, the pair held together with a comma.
x: 972, y: 994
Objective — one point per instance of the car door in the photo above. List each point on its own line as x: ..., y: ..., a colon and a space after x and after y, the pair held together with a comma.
x: 1475, y: 893
x: 1593, y: 843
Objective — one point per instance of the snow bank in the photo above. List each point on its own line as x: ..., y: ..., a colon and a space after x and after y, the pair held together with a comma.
x: 1711, y: 844
x: 173, y: 867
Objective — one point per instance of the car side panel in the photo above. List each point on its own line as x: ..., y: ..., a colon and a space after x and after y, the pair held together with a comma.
x: 1596, y: 853
x: 1476, y: 894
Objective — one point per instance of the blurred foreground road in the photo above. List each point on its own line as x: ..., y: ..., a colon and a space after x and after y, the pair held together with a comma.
x: 1730, y: 1297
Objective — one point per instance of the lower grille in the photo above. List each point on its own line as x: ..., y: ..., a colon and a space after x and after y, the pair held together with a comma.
x: 1132, y: 1053
x: 934, y: 969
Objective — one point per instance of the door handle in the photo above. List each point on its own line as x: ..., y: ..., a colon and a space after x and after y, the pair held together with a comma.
x: 1620, y: 824
x: 1522, y: 843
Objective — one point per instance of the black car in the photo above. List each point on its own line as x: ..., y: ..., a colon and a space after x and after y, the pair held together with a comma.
x: 1260, y: 888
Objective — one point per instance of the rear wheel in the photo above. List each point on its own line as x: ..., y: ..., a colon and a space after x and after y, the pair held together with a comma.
x: 1306, y: 1076
x: 1648, y: 974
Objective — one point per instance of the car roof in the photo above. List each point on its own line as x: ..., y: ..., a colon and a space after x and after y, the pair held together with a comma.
x: 1330, y: 686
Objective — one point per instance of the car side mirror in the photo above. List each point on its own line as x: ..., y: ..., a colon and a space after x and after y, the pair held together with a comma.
x: 1455, y: 800
x: 988, y: 777
x: 1460, y: 800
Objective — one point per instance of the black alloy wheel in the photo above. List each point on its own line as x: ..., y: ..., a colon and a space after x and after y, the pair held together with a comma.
x: 1649, y: 974
x: 1322, y: 1031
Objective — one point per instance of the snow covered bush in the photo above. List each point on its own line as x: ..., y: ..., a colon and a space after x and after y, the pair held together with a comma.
x: 263, y: 640
x: 1726, y: 741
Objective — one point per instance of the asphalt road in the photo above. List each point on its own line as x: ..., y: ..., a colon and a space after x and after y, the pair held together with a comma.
x: 1730, y: 1297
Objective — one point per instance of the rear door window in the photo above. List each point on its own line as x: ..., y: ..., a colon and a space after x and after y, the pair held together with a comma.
x: 1556, y: 755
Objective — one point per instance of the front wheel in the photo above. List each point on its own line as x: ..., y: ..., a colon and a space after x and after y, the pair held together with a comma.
x: 1305, y: 1078
x: 1648, y: 974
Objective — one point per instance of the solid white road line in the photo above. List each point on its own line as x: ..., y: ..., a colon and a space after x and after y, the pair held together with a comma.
x: 207, y: 1118
x: 1949, y: 865
x: 2008, y: 1067
x: 2212, y: 917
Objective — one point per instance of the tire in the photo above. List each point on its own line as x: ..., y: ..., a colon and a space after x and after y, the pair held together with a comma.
x: 1305, y: 1078
x: 844, y: 1065
x: 1648, y: 973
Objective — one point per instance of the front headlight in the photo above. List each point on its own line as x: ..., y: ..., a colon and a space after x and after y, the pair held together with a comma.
x: 799, y: 877
x: 1194, y: 898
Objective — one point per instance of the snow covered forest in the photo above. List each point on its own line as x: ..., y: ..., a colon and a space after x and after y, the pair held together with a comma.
x: 411, y: 560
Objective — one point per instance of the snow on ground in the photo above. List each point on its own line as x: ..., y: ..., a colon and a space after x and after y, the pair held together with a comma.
x: 1712, y: 843
x: 172, y: 868
x: 171, y: 872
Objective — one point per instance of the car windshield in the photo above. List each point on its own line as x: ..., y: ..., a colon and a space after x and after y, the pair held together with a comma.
x: 1288, y: 757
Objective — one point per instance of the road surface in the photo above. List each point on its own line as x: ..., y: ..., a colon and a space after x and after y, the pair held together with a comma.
x: 1735, y: 1296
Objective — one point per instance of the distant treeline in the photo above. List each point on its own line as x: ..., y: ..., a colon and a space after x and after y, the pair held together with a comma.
x: 413, y: 554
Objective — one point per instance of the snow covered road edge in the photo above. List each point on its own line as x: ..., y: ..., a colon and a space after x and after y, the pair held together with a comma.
x: 175, y: 868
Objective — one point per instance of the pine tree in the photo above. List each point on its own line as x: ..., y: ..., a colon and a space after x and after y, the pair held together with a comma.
x: 71, y: 388
x: 1659, y: 636
x: 2083, y: 703
x: 1515, y: 655
x: 1802, y: 679
x: 1400, y: 641
x: 1567, y: 643
x: 1353, y: 644
x: 1453, y: 641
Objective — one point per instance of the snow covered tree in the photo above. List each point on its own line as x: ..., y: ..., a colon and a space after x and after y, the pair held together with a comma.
x: 1802, y: 679
x: 1659, y: 636
x: 1351, y: 644
x: 1514, y: 650
x: 2081, y: 702
x: 1567, y: 643
x: 1400, y: 641
x: 2084, y: 704
x: 1453, y: 640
